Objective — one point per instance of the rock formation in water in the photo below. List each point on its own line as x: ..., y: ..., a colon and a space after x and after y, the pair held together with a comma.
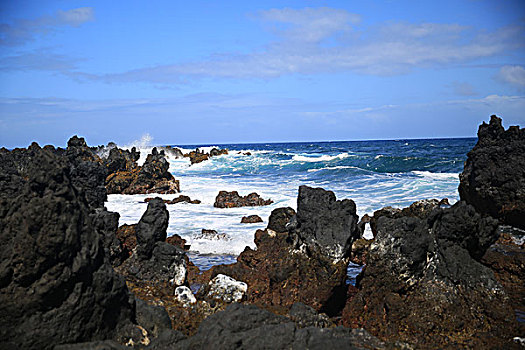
x: 152, y: 177
x: 232, y: 199
x: 493, y: 180
x: 199, y: 156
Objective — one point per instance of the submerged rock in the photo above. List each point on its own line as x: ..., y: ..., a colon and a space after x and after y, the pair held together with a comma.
x: 212, y: 235
x: 179, y: 199
x: 232, y: 199
x: 198, y: 156
x: 56, y: 285
x: 493, y: 179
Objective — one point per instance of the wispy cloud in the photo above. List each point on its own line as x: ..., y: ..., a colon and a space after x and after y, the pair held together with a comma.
x: 462, y: 88
x: 41, y: 60
x: 325, y: 40
x: 21, y: 31
x: 514, y: 75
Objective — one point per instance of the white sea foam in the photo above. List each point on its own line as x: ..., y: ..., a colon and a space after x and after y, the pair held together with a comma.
x: 323, y: 158
x: 437, y: 176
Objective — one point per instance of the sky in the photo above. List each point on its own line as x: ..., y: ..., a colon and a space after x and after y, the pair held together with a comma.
x: 216, y: 72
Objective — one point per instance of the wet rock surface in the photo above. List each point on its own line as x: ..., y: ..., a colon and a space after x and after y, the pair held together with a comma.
x: 493, y: 180
x: 199, y: 156
x: 179, y: 199
x: 232, y: 199
x: 280, y: 218
x: 424, y: 284
x: 57, y: 286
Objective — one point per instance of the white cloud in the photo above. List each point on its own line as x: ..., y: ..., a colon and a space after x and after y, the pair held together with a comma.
x: 21, y: 31
x: 384, y: 49
x: 514, y: 75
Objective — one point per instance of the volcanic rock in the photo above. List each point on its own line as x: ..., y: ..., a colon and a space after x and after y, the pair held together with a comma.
x: 128, y: 240
x: 493, y: 180
x: 360, y: 249
x: 423, y: 283
x: 152, y: 177
x: 227, y: 289
x: 56, y: 285
x: 154, y: 260
x: 232, y: 199
x: 325, y: 224
x: 248, y: 327
x: 121, y: 160
x: 280, y: 218
x: 211, y: 234
x: 179, y: 199
x: 184, y: 295
x: 251, y: 219
x: 106, y: 224
x: 177, y: 241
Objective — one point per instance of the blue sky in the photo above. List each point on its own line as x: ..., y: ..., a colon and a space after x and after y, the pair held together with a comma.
x: 257, y: 71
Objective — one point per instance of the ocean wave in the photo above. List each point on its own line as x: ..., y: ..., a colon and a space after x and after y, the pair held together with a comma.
x: 436, y: 176
x: 337, y: 168
x: 323, y: 158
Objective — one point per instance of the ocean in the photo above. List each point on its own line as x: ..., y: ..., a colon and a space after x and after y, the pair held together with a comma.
x: 374, y: 174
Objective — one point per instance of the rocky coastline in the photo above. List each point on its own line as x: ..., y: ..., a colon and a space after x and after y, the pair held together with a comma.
x: 436, y: 275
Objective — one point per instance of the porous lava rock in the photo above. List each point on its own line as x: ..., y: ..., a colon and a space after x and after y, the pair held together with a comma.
x: 493, y: 179
x: 152, y: 177
x: 248, y: 327
x: 251, y: 219
x: 179, y: 199
x: 56, y: 285
x: 278, y: 274
x: 121, y: 159
x: 323, y: 224
x: 424, y: 284
x: 153, y: 260
x: 199, y: 156
x: 232, y: 199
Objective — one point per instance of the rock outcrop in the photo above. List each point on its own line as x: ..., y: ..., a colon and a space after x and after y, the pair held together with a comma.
x: 199, y: 156
x: 232, y: 199
x: 251, y: 219
x: 423, y: 282
x: 56, y: 285
x: 154, y: 261
x: 152, y: 177
x: 278, y: 273
x: 493, y: 180
x: 180, y: 199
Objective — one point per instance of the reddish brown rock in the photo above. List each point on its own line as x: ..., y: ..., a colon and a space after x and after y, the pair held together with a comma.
x: 126, y: 235
x: 360, y: 249
x: 232, y: 199
x: 251, y: 219
x: 179, y: 199
x: 177, y: 241
x: 198, y: 156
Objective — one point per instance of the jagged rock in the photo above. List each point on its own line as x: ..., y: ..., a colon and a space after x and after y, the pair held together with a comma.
x: 106, y: 224
x: 173, y: 152
x: 154, y: 260
x: 493, y: 180
x: 179, y: 199
x: 126, y: 235
x: 121, y: 160
x: 279, y: 218
x: 419, y: 209
x: 232, y: 199
x: 226, y: 289
x: 251, y: 219
x: 198, y: 156
x: 248, y: 327
x: 56, y: 285
x: 361, y: 226
x: 325, y: 224
x: 184, y: 295
x: 177, y: 241
x: 305, y: 316
x: 423, y: 284
x: 152, y: 177
x: 153, y: 318
x: 278, y: 275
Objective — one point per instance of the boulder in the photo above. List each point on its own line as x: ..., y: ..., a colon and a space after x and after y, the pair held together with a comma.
x: 251, y: 219
x: 424, y: 284
x: 227, y: 289
x: 184, y: 295
x: 493, y: 180
x: 56, y: 286
x: 179, y: 199
x: 212, y: 235
x: 232, y: 199
x: 325, y: 224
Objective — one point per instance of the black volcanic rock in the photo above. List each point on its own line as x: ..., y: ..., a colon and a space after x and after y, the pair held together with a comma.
x: 154, y: 260
x: 106, y: 224
x: 232, y: 199
x: 121, y: 160
x: 248, y: 327
x: 57, y: 286
x: 324, y: 223
x: 279, y: 218
x: 493, y: 180
x: 423, y: 282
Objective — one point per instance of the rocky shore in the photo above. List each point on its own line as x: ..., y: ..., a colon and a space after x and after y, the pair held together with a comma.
x: 436, y: 275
